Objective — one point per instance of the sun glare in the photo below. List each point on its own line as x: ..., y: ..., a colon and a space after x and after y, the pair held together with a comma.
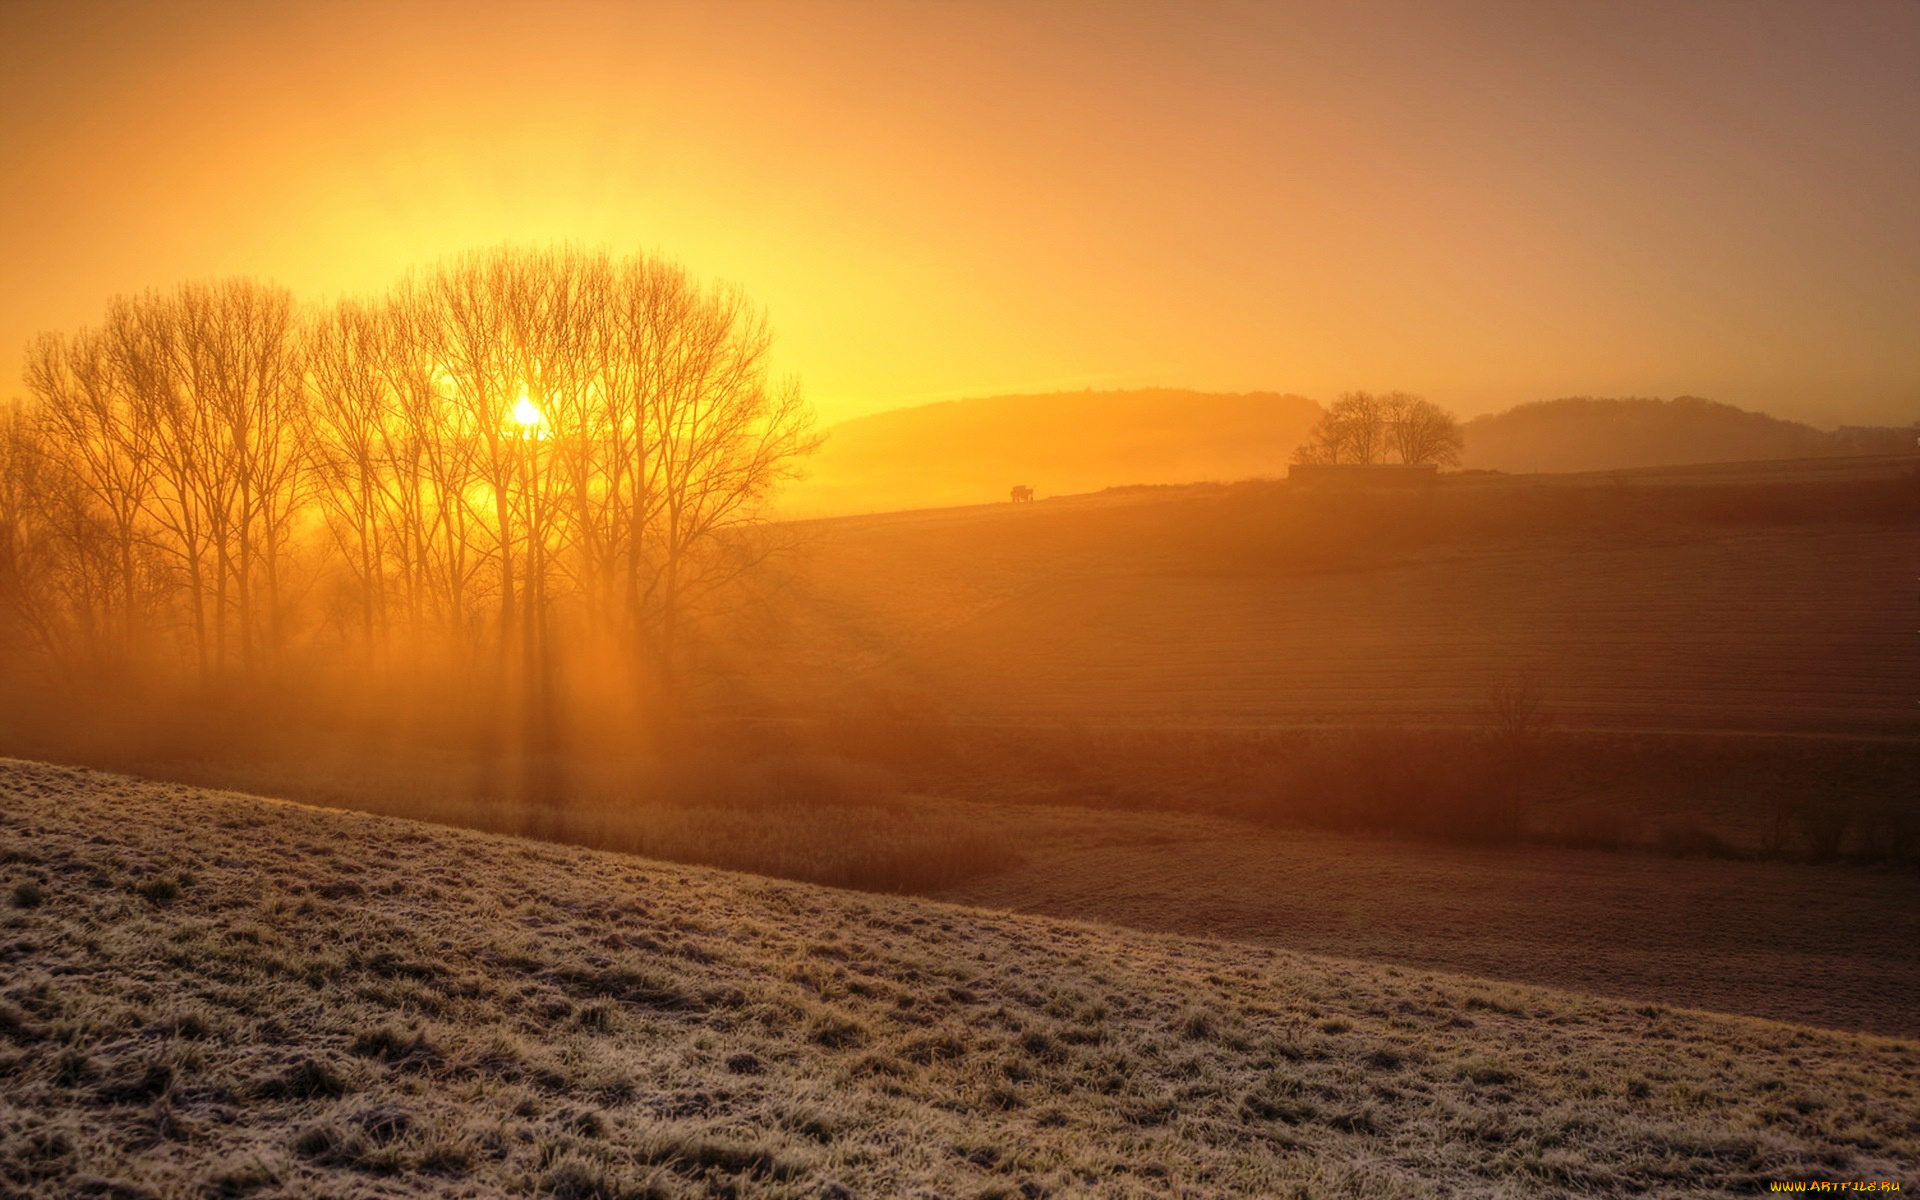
x: 527, y: 414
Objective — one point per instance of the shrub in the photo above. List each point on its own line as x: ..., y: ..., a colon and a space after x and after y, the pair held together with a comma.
x: 1688, y: 840
x: 1514, y: 709
x: 1403, y: 782
x: 1823, y: 825
x: 1891, y: 834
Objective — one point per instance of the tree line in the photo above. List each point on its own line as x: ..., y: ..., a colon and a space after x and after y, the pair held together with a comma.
x: 509, y: 451
x: 1362, y: 428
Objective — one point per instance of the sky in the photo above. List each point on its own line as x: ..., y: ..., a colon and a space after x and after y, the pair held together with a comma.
x: 1487, y: 203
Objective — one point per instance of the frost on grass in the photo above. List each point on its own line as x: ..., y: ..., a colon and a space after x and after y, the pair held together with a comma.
x: 208, y: 994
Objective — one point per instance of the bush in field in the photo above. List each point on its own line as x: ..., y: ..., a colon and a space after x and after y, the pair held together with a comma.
x: 1398, y: 782
x: 1689, y: 840
x: 1479, y: 786
x: 1823, y: 824
x: 1515, y: 711
x: 1859, y: 809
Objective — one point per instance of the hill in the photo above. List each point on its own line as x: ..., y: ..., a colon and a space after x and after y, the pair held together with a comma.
x: 214, y: 994
x: 1720, y: 651
x: 1756, y: 598
x: 1588, y: 434
x: 1065, y: 443
x: 974, y: 451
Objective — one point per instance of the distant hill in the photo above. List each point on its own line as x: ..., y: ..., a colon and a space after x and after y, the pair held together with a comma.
x: 1585, y: 433
x: 973, y: 451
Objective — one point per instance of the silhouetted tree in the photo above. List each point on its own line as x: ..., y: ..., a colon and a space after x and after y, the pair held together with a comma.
x: 508, y: 450
x: 1362, y: 428
x: 241, y: 365
x: 27, y: 559
x: 1420, y: 431
x: 96, y: 477
x: 1352, y: 430
x: 352, y: 416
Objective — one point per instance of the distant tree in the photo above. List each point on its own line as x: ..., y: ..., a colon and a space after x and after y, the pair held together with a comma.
x: 1420, y: 431
x: 1516, y: 720
x: 1352, y: 430
x: 1362, y: 428
x: 1515, y: 711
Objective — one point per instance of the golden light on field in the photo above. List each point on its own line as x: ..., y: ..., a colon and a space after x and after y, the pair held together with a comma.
x: 873, y: 597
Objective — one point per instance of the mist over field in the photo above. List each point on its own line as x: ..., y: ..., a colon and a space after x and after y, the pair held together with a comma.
x: 1069, y: 443
x: 956, y: 452
x: 800, y: 601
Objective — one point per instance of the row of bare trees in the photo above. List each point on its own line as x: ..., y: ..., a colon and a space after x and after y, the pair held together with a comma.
x: 1363, y: 428
x: 509, y: 448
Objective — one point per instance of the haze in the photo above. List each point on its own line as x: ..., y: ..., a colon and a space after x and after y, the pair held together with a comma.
x: 789, y: 599
x: 1489, y: 203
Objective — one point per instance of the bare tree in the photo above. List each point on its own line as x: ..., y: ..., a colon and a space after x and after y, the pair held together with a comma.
x: 1361, y: 428
x: 351, y: 414
x: 139, y: 338
x: 722, y: 435
x: 509, y: 451
x: 1352, y: 430
x: 1514, y: 709
x: 1420, y: 431
x: 239, y: 359
x: 27, y: 560
x: 209, y: 377
x: 1516, y: 721
x: 463, y: 320
x: 104, y: 477
x: 434, y: 455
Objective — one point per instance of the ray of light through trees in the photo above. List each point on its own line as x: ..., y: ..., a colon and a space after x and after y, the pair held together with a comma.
x: 513, y: 462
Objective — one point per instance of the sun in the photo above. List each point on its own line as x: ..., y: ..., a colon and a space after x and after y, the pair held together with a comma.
x: 527, y: 414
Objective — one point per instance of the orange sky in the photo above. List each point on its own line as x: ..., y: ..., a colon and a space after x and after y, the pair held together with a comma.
x: 1487, y: 202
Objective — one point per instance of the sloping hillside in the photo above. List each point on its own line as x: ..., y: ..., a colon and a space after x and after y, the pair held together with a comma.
x: 974, y: 451
x: 1584, y: 433
x: 209, y: 994
x: 1763, y: 600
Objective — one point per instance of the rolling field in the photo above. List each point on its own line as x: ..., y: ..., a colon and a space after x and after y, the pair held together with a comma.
x: 1736, y: 937
x: 1670, y: 636
x: 210, y: 994
x: 1754, y: 938
x: 1755, y: 597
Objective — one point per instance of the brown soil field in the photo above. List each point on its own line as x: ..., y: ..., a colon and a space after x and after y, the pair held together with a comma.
x: 208, y: 994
